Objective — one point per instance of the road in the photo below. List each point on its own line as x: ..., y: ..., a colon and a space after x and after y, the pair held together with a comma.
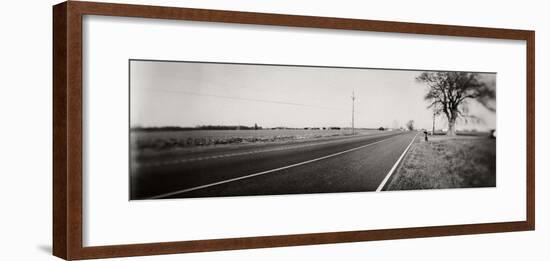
x: 342, y: 164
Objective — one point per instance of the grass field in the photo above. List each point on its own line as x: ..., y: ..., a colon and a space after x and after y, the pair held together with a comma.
x: 447, y: 162
x: 173, y: 139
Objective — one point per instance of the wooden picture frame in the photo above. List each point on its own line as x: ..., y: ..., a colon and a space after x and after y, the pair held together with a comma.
x: 68, y: 145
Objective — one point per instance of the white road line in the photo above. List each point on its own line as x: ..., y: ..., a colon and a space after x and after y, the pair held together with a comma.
x: 264, y: 172
x: 395, y: 166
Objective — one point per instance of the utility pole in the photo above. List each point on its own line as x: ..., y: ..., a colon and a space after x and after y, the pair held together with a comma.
x: 433, y: 124
x: 352, y: 112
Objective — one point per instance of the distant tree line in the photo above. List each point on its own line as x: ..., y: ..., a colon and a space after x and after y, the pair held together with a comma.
x: 235, y: 127
x: 201, y: 127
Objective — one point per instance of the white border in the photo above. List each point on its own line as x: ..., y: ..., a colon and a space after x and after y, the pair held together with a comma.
x: 109, y: 218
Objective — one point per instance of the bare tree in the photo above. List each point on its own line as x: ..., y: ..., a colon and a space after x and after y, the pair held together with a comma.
x: 449, y: 92
x: 410, y: 125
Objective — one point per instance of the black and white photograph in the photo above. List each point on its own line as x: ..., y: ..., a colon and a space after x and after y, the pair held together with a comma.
x: 204, y: 129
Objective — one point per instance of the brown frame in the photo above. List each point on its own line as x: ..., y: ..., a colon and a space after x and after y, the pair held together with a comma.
x: 67, y: 129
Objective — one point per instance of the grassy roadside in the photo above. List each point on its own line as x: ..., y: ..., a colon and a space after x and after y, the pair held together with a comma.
x: 447, y: 162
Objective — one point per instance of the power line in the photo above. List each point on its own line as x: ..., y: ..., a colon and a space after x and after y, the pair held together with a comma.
x: 245, y: 99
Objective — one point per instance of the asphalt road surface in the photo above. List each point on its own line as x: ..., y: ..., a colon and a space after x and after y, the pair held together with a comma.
x: 342, y: 164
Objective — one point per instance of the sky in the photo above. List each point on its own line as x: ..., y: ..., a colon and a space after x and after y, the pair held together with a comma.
x: 188, y: 94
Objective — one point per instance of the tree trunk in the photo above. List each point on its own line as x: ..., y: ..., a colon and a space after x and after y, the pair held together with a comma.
x: 451, y: 131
